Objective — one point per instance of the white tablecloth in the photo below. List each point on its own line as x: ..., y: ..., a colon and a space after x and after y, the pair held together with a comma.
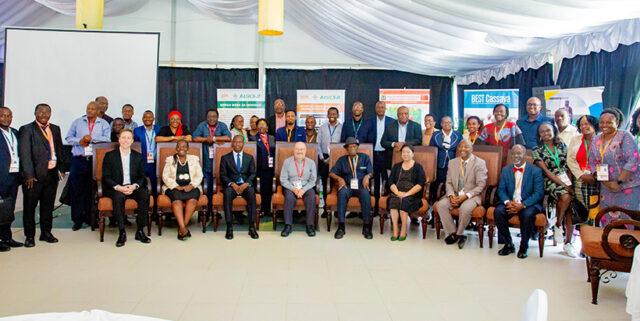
x: 633, y: 287
x: 93, y: 315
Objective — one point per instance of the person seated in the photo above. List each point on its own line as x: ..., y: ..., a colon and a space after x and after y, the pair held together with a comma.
x: 123, y: 178
x: 237, y: 128
x: 520, y: 191
x: 182, y: 178
x: 237, y: 172
x: 298, y: 180
x: 116, y: 127
x: 407, y: 183
x: 352, y: 173
x: 175, y: 131
x: 291, y: 132
x: 466, y: 179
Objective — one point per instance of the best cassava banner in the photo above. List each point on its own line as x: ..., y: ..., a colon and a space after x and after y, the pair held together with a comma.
x: 316, y: 103
x: 481, y: 102
x: 245, y: 102
x: 417, y: 100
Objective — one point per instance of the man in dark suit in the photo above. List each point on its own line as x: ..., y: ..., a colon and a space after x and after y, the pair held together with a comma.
x: 357, y: 127
x: 237, y: 172
x: 399, y: 133
x: 9, y: 178
x: 277, y: 120
x: 521, y: 190
x: 123, y: 178
x: 291, y: 132
x: 42, y: 162
x: 379, y: 123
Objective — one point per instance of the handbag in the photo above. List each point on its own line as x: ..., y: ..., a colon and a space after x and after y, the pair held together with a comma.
x: 579, y: 213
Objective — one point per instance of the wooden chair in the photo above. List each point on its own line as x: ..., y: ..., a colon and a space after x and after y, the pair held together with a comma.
x: 492, y: 156
x: 105, y: 204
x: 610, y: 247
x: 427, y: 156
x: 239, y: 203
x: 337, y: 151
x: 164, y: 205
x: 284, y: 151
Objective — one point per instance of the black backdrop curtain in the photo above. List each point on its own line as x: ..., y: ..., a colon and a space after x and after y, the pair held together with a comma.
x: 524, y: 80
x: 618, y: 71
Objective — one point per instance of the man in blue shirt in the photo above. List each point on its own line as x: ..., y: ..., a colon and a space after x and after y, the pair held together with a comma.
x: 209, y: 132
x: 357, y: 127
x: 146, y: 135
x: 352, y: 173
x: 84, y: 131
x: 529, y: 125
x: 291, y: 132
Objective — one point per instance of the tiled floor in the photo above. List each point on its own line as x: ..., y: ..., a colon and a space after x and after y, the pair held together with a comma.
x: 298, y: 278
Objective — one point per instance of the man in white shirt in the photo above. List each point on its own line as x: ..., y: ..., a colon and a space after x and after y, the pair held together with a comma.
x: 566, y: 131
x: 380, y: 122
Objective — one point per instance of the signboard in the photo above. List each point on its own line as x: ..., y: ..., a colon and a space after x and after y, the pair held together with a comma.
x: 417, y: 100
x: 244, y: 102
x: 579, y: 101
x: 481, y: 102
x: 316, y: 103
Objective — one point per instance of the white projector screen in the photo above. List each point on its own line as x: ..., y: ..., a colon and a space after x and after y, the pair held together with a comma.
x: 67, y: 69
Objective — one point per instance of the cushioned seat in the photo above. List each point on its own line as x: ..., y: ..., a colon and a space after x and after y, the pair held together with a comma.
x: 477, y: 212
x: 541, y: 219
x: 218, y: 198
x: 106, y: 204
x: 354, y: 202
x: 540, y: 226
x: 592, y: 242
x: 477, y: 216
x: 165, y: 202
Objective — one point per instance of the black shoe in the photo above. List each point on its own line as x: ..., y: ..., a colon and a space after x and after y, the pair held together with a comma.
x: 48, y: 237
x: 311, y: 231
x: 29, y: 242
x: 339, y: 233
x: 13, y: 243
x: 522, y: 254
x: 366, y: 231
x: 142, y: 237
x: 252, y: 232
x: 121, y: 239
x: 450, y: 239
x: 229, y: 234
x: 188, y: 233
x: 323, y: 215
x: 286, y: 230
x: 76, y: 226
x: 461, y: 241
x: 182, y: 237
x: 4, y: 247
x: 352, y: 215
x: 507, y: 249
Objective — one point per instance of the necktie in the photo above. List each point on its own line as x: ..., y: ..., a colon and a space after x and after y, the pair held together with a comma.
x: 238, y: 163
x: 461, y: 178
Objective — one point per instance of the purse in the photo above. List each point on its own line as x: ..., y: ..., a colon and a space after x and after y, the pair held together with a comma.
x: 579, y: 213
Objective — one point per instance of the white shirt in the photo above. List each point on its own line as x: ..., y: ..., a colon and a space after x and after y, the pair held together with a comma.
x: 446, y: 139
x: 402, y: 132
x: 465, y: 164
x: 568, y: 134
x: 235, y: 161
x: 12, y: 142
x: 126, y: 169
x: 379, y: 132
x: 517, y: 194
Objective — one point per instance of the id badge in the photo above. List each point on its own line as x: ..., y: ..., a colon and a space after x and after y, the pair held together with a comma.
x: 88, y: 151
x: 149, y: 158
x: 297, y: 184
x: 271, y: 163
x: 603, y: 172
x: 14, y: 166
x: 565, y: 178
x: 588, y: 172
x: 53, y: 161
x: 517, y: 201
x: 211, y: 152
x: 354, y: 183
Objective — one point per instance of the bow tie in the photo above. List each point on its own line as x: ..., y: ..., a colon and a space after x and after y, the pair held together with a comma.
x: 515, y: 170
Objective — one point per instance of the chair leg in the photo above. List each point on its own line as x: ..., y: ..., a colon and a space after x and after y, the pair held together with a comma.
x: 424, y: 226
x: 437, y: 223
x: 149, y: 221
x: 160, y: 222
x: 541, y: 240
x: 203, y: 214
x: 595, y: 281
x: 480, y: 224
x: 257, y: 220
x: 586, y: 259
x: 490, y: 232
x: 329, y: 215
x: 101, y: 225
x: 274, y: 219
x: 381, y: 222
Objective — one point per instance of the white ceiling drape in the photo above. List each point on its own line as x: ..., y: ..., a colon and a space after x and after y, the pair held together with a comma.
x: 111, y: 7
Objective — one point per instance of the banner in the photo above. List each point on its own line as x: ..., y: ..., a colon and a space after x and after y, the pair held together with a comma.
x: 481, y: 102
x: 417, y: 100
x: 579, y: 101
x: 316, y: 103
x: 244, y: 102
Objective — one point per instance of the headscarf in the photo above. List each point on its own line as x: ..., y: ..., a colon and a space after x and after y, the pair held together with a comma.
x: 177, y: 113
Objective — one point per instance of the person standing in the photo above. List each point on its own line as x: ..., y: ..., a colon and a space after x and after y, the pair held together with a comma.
x: 311, y: 135
x: 586, y: 187
x: 103, y: 106
x: 237, y: 128
x: 277, y: 121
x: 266, y: 151
x: 447, y: 141
x: 329, y: 132
x: 474, y: 127
x: 291, y: 132
x: 635, y: 126
x: 566, y: 131
x: 529, y: 125
x: 380, y: 122
x: 357, y: 127
x: 42, y: 162
x: 400, y: 133
x: 502, y: 132
x: 116, y: 127
x: 127, y: 114
x: 429, y: 129
x: 146, y: 135
x: 175, y: 131
x: 84, y: 131
x: 9, y: 176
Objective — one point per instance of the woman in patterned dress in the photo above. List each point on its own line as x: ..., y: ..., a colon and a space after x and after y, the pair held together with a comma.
x: 586, y: 187
x: 502, y: 132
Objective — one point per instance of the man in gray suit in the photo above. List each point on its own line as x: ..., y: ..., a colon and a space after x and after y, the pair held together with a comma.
x: 466, y: 179
x: 298, y: 180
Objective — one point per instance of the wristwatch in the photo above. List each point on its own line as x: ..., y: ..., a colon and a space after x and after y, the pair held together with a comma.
x: 620, y: 182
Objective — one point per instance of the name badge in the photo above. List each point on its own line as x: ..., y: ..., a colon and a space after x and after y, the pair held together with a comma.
x: 588, y: 172
x: 53, y: 161
x: 88, y: 151
x: 329, y: 149
x: 149, y: 158
x: 211, y: 152
x: 297, y: 184
x: 354, y: 183
x: 565, y: 178
x: 14, y: 166
x: 603, y: 172
x: 517, y: 201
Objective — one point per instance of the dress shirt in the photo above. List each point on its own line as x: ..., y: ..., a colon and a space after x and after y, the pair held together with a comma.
x: 80, y: 127
x: 446, y: 139
x: 517, y: 193
x: 126, y: 159
x: 328, y: 134
x: 380, y: 123
x: 568, y: 134
x: 132, y: 125
x: 530, y: 128
x: 235, y: 162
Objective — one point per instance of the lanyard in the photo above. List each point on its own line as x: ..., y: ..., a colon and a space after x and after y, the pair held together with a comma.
x: 289, y: 132
x: 555, y: 156
x: 498, y: 134
x: 331, y: 132
x: 461, y: 168
x: 310, y: 140
x: 606, y: 147
x: 150, y: 138
x: 12, y: 141
x: 241, y: 133
x: 265, y: 141
x: 355, y: 130
x: 518, y: 183
x: 352, y: 166
x: 49, y: 139
x: 587, y: 148
x: 638, y: 139
x: 473, y: 142
x: 213, y: 132
x: 91, y: 125
x: 300, y: 173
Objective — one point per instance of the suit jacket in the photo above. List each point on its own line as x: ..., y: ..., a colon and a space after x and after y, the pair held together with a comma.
x: 35, y: 152
x: 475, y: 178
x: 170, y: 169
x: 112, y: 173
x: 365, y: 134
x: 298, y: 135
x: 229, y: 171
x: 271, y: 122
x: 140, y: 135
x: 390, y: 136
x: 262, y: 156
x: 532, y: 190
x: 444, y: 155
x: 5, y: 155
x: 374, y: 127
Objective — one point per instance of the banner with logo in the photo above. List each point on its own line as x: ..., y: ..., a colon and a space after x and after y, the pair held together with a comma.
x: 579, y: 101
x: 480, y: 103
x: 417, y: 100
x: 244, y: 102
x: 316, y: 103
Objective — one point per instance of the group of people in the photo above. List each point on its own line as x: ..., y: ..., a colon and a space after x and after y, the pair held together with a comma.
x: 564, y: 165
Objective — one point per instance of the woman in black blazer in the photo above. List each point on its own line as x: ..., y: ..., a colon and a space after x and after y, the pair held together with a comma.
x: 266, y: 156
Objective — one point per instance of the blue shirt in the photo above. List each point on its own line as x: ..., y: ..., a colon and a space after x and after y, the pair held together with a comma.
x: 147, y: 140
x: 80, y: 127
x: 530, y: 129
x: 204, y: 130
x: 298, y: 135
x: 343, y: 169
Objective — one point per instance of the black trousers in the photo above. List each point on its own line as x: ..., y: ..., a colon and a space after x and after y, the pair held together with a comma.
x: 379, y: 175
x: 141, y: 196
x: 249, y: 194
x: 9, y: 188
x: 323, y: 172
x: 43, y: 192
x: 81, y: 189
x: 527, y: 224
x: 266, y: 189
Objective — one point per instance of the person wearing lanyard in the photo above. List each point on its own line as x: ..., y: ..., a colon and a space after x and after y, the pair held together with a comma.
x: 311, y: 135
x: 298, y: 180
x: 447, y: 141
x: 521, y: 190
x: 84, y: 131
x: 10, y: 178
x: 291, y: 132
x: 551, y: 157
x: 42, y: 164
x: 146, y: 135
x: 615, y: 161
x: 266, y: 151
x: 277, y: 120
x: 501, y: 132
x: 328, y: 133
x: 209, y: 132
x: 474, y: 125
x: 586, y: 187
x: 351, y: 174
x: 237, y: 128
x: 357, y: 127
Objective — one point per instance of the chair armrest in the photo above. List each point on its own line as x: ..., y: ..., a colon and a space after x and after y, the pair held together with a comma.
x: 205, y: 186
x: 633, y: 214
x: 149, y: 187
x: 627, y: 241
x: 425, y: 192
x: 215, y: 186
x: 99, y: 188
x: 441, y: 190
x: 258, y: 185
